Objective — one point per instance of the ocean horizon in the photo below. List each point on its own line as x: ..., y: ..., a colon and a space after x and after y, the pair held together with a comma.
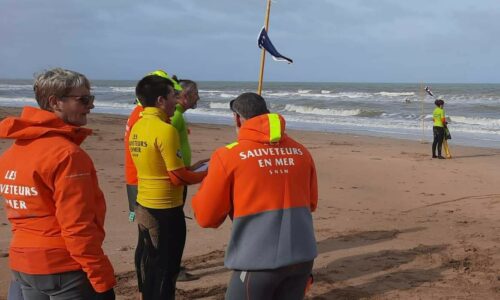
x: 397, y: 110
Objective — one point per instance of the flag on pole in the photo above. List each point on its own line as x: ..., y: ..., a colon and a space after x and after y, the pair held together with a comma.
x: 264, y: 42
x: 428, y: 90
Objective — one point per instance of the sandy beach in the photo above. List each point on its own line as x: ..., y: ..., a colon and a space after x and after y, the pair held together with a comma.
x: 391, y: 223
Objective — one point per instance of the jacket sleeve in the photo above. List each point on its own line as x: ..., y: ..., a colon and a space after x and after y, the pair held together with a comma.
x: 80, y: 210
x: 212, y: 203
x: 314, y: 187
x: 185, y: 177
x: 177, y: 120
x: 169, y: 145
x: 130, y: 170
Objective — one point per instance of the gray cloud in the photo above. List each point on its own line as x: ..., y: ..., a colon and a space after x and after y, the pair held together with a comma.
x: 329, y: 40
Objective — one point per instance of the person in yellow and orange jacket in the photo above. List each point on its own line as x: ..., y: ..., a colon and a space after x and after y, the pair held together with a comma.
x: 155, y: 149
x: 130, y: 169
x: 53, y: 200
x: 438, y: 128
x: 266, y: 183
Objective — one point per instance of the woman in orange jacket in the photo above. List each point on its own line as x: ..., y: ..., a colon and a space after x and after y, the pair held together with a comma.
x: 53, y: 200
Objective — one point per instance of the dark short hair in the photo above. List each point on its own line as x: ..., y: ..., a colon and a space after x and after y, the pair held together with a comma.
x: 439, y: 102
x: 151, y: 87
x: 249, y: 105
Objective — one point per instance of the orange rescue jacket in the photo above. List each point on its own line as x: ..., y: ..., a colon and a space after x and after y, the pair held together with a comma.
x: 52, y: 199
x: 130, y: 170
x: 266, y: 183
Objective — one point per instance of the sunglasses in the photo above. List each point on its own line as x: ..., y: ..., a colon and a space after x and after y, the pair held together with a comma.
x: 85, y: 100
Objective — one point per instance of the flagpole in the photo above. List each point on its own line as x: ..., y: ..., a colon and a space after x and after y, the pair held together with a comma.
x: 263, y: 53
x: 422, y: 112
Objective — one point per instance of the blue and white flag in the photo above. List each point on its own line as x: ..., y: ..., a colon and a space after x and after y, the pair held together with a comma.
x: 264, y: 42
x: 428, y: 90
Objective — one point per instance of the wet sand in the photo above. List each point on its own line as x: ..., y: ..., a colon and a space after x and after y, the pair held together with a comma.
x: 391, y: 223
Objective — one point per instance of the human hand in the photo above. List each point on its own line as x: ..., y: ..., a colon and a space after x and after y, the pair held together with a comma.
x: 198, y: 164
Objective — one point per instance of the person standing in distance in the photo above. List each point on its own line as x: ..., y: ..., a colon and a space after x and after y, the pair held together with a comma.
x: 438, y: 129
x: 53, y: 199
x: 266, y: 183
x: 155, y: 149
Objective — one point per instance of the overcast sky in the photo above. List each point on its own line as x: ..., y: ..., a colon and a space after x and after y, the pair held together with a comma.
x: 329, y: 40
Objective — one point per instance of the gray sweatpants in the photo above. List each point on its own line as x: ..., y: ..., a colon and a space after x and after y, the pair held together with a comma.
x: 287, y: 283
x: 62, y: 286
x: 15, y: 292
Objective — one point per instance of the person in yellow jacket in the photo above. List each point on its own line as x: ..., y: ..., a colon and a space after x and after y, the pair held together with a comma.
x: 130, y: 170
x: 438, y: 128
x: 155, y: 149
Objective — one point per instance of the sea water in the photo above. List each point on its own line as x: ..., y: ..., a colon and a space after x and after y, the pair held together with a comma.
x: 398, y: 110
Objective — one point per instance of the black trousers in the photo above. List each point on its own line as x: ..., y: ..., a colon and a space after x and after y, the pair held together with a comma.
x: 438, y: 140
x: 184, y: 195
x: 162, y: 236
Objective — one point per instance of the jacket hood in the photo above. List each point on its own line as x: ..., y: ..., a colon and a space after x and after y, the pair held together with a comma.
x: 34, y: 123
x: 267, y: 128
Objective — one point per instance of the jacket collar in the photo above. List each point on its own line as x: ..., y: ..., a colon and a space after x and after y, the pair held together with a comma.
x: 155, y: 112
x: 34, y: 123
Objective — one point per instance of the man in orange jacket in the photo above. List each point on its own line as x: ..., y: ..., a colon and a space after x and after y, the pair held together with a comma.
x: 266, y: 183
x: 53, y: 200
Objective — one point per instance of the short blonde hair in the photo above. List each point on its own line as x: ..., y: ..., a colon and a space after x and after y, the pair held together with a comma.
x: 56, y: 82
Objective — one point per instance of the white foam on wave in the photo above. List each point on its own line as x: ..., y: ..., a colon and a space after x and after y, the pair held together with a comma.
x: 219, y: 105
x: 483, y: 122
x: 321, y: 111
x: 5, y: 101
x: 350, y: 95
x: 15, y: 87
x: 355, y: 121
x: 326, y: 95
x: 469, y: 99
x: 226, y: 95
x: 210, y: 91
x: 352, y: 121
x: 396, y: 94
x: 280, y: 94
x: 325, y: 92
x: 123, y: 89
x: 104, y: 103
x: 209, y: 112
x: 304, y: 91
